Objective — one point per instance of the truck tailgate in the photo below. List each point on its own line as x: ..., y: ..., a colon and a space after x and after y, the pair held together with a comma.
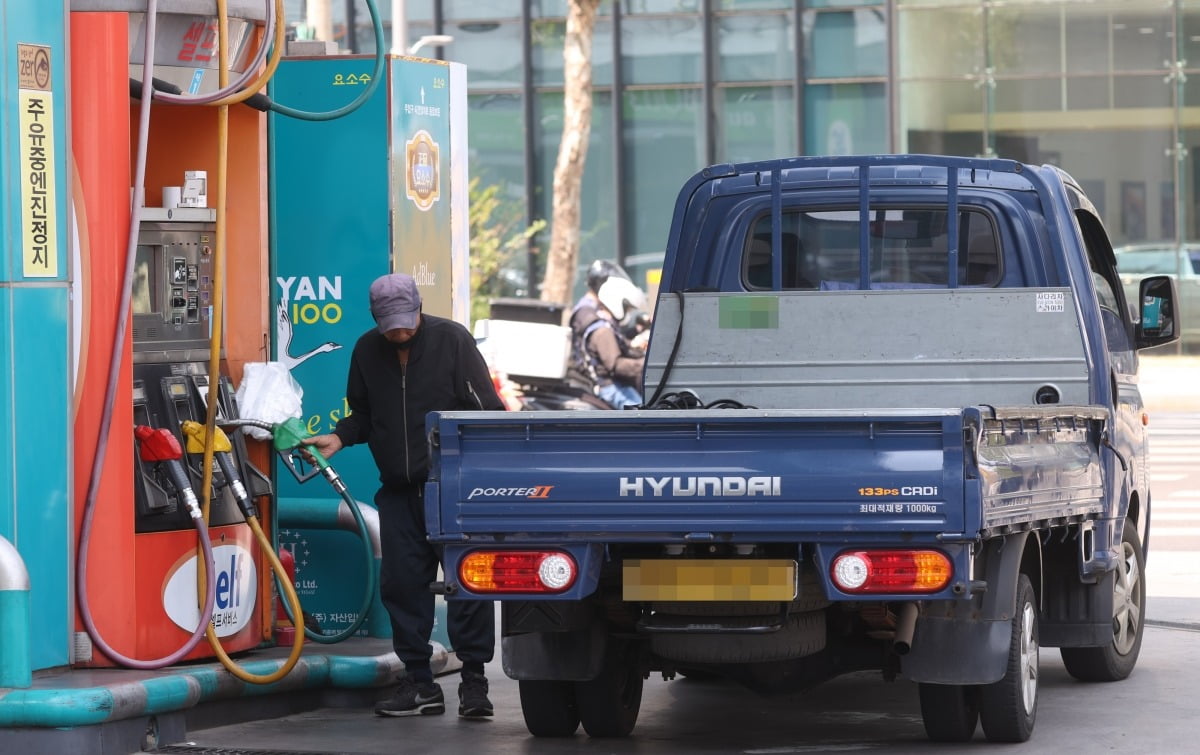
x: 698, y: 475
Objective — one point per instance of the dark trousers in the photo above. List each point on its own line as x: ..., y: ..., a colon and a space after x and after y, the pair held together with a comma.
x: 409, y: 563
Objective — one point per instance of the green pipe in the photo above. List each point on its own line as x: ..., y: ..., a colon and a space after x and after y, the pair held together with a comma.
x: 16, y: 669
x: 186, y: 689
x: 319, y: 514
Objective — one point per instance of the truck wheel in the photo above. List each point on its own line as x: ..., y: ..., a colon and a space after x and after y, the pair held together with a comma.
x: 609, y: 704
x: 1116, y: 660
x: 1008, y: 708
x: 950, y: 711
x: 549, y: 708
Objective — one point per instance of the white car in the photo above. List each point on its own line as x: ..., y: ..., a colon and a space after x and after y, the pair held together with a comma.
x: 1182, y: 262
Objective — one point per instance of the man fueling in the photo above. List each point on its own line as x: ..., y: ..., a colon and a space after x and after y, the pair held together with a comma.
x: 409, y: 365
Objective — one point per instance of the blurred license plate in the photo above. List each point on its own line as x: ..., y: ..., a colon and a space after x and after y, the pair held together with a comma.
x: 709, y: 579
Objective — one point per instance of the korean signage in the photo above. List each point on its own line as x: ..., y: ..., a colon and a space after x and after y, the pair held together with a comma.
x: 39, y: 248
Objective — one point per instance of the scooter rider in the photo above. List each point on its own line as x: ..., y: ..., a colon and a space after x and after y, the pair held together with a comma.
x: 409, y: 365
x: 612, y: 363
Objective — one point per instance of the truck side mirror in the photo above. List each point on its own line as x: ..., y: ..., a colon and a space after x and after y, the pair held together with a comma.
x: 1159, y: 323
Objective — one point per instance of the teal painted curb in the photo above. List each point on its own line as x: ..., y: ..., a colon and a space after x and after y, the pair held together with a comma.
x: 184, y: 689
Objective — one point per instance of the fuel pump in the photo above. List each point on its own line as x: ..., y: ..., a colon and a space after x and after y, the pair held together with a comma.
x: 159, y: 449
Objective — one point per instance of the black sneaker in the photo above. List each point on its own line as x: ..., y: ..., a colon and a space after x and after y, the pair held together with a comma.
x: 413, y: 698
x: 473, y: 699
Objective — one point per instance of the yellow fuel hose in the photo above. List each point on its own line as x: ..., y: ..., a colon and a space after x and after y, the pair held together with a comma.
x: 214, y: 370
x: 272, y: 62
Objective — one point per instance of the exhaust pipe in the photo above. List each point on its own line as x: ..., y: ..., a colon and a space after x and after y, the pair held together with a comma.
x: 905, y: 625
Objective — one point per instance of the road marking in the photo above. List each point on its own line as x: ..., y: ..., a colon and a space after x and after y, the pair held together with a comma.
x: 1156, y: 531
x: 1167, y: 477
x: 1157, y: 518
x: 1184, y: 494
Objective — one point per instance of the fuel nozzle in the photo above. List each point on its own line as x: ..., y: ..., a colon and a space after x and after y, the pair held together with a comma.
x: 158, y: 445
x: 289, y: 438
x: 223, y: 452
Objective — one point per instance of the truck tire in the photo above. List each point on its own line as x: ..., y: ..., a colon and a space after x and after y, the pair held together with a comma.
x: 803, y: 635
x: 549, y: 708
x: 609, y: 704
x: 950, y: 711
x: 1008, y: 708
x: 1116, y: 660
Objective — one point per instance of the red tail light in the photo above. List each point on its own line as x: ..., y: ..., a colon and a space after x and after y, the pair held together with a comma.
x: 891, y: 571
x: 517, y: 571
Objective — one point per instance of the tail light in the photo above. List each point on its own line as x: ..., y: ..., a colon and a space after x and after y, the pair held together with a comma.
x: 891, y: 571
x: 517, y: 571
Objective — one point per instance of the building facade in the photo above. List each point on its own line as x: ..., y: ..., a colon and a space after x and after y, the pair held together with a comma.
x: 1107, y: 89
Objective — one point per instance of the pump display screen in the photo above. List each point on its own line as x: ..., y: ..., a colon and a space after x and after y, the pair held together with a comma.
x: 144, y: 286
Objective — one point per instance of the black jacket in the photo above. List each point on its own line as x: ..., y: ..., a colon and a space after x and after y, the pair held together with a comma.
x: 388, y: 401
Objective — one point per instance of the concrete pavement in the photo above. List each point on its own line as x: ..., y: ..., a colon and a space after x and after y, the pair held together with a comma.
x: 1170, y: 383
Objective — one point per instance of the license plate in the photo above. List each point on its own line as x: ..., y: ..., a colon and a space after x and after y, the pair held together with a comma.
x: 709, y: 579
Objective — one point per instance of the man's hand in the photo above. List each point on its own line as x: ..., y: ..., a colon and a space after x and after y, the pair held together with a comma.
x: 326, y: 445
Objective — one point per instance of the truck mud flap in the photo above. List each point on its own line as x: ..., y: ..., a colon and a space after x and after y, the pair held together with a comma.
x: 967, y: 641
x: 958, y: 651
x: 577, y: 655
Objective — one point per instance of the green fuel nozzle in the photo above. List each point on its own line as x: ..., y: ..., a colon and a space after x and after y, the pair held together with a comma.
x: 288, y: 439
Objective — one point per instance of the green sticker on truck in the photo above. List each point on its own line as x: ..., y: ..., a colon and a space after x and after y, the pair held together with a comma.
x: 749, y: 313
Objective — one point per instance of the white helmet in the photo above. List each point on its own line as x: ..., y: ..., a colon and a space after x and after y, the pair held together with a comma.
x: 618, y: 294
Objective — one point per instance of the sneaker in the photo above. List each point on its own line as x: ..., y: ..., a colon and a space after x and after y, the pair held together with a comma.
x: 473, y: 699
x: 413, y: 698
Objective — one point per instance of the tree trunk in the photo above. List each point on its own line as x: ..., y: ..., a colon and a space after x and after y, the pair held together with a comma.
x: 572, y: 152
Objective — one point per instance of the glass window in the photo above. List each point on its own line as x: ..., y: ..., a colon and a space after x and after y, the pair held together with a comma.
x: 754, y: 4
x: 841, y: 3
x: 662, y: 49
x: 940, y: 42
x: 845, y: 119
x: 1141, y: 91
x: 941, y: 118
x: 547, y: 42
x: 597, y: 232
x: 1027, y: 40
x: 491, y: 52
x: 664, y: 148
x: 1028, y: 94
x: 755, y: 123
x: 908, y: 248
x: 845, y: 44
x: 460, y: 10
x: 497, y: 142
x: 1142, y: 36
x: 755, y: 47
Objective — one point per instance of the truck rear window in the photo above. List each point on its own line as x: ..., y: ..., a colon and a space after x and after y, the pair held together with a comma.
x: 907, y: 249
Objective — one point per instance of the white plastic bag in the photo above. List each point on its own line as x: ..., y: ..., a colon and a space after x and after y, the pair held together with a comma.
x: 270, y: 394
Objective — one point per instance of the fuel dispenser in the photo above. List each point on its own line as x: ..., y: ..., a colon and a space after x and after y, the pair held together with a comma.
x: 171, y: 308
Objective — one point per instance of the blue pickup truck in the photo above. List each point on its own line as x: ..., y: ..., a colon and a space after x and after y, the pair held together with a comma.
x: 892, y: 424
